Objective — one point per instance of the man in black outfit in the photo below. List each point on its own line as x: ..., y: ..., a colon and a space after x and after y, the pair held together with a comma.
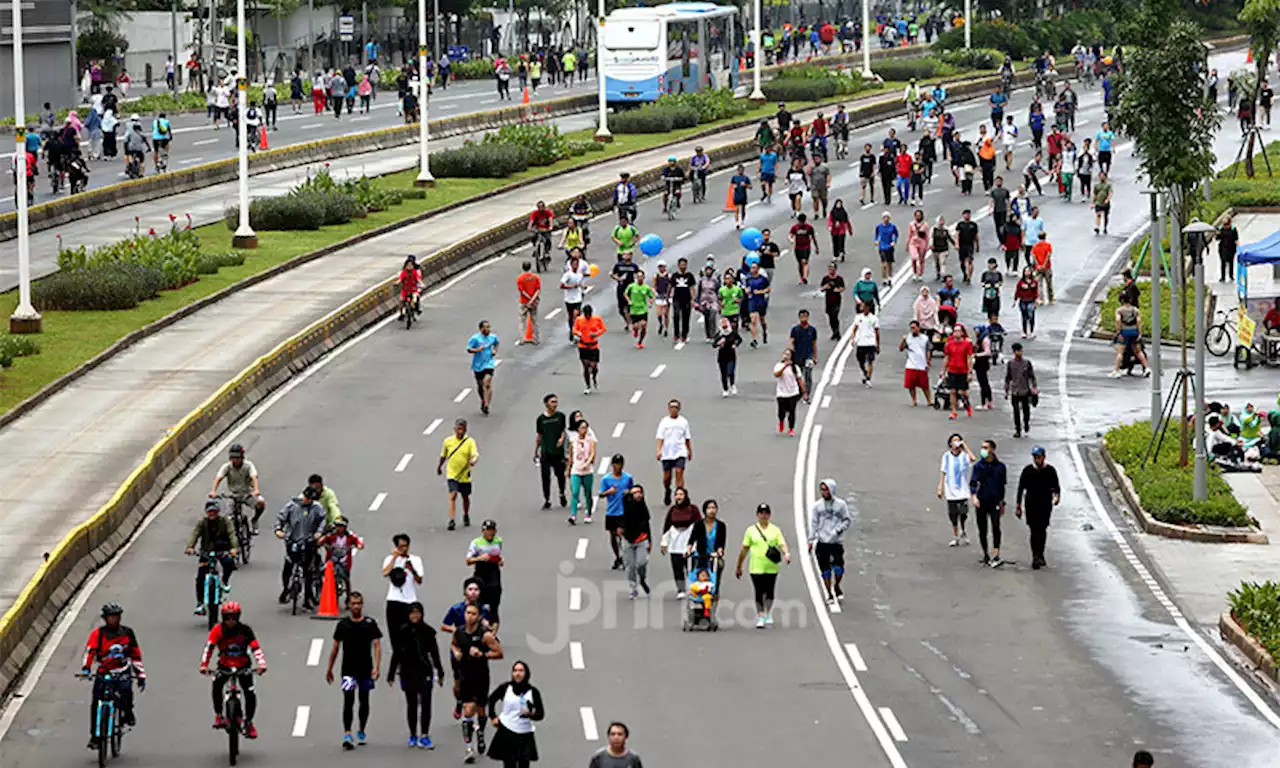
x: 359, y: 640
x: 987, y: 484
x: 1038, y: 488
x: 683, y: 283
x: 832, y: 289
x: 549, y: 448
x: 888, y: 172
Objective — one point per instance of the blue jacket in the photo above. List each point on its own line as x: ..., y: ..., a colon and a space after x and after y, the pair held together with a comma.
x: 987, y: 482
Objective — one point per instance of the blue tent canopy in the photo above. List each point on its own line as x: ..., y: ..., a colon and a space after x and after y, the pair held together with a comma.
x: 1265, y: 251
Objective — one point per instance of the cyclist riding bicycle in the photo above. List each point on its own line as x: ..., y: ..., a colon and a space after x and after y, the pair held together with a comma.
x: 234, y: 642
x: 699, y: 166
x: 340, y: 544
x: 300, y: 524
x: 541, y: 222
x: 213, y: 533
x: 161, y: 135
x: 242, y: 482
x: 795, y: 142
x: 840, y: 125
x: 411, y: 283
x: 625, y: 196
x: 910, y: 94
x: 580, y: 211
x: 818, y: 132
x: 116, y: 649
x: 672, y: 178
x: 136, y: 144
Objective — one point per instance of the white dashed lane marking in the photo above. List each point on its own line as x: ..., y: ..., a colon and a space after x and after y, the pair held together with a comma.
x: 552, y: 313
x: 575, y: 598
x: 313, y: 654
x: 891, y: 722
x: 575, y: 655
x: 589, y: 729
x: 856, y: 657
x: 432, y: 426
x: 635, y: 396
x: 618, y: 428
x: 404, y: 462
x: 684, y: 234
x: 581, y: 552
x: 300, y: 721
x: 462, y: 395
x: 377, y: 501
x: 658, y: 371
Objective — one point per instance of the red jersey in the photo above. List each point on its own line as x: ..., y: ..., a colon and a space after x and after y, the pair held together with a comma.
x: 1054, y: 141
x: 903, y: 163
x: 803, y: 235
x: 958, y: 352
x: 541, y: 219
x: 797, y: 134
x: 116, y: 650
x: 529, y: 286
x: 233, y: 646
x: 410, y: 281
x: 341, y: 548
x: 819, y: 126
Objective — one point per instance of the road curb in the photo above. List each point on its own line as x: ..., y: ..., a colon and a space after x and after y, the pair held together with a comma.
x: 1233, y: 633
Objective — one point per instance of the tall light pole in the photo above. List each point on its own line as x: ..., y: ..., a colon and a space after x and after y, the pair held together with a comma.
x: 866, y: 40
x: 602, y: 129
x: 968, y: 24
x: 1157, y: 311
x: 244, y: 236
x: 173, y: 31
x: 435, y: 29
x: 25, y: 319
x: 425, y: 179
x: 756, y: 93
x: 1201, y: 480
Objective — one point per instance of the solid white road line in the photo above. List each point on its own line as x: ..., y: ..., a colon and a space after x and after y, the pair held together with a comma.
x: 550, y: 315
x: 377, y: 501
x: 575, y: 598
x: 856, y: 657
x: 618, y: 428
x: 679, y: 346
x: 190, y: 161
x: 658, y: 371
x: 404, y: 462
x: 826, y: 401
x: 589, y: 724
x: 895, y: 727
x: 300, y: 721
x: 432, y: 426
x: 841, y: 365
x: 575, y: 655
x: 462, y: 395
x: 718, y: 219
x: 309, y: 126
x: 202, y: 142
x: 580, y: 553
x: 684, y: 234
x: 635, y: 396
x: 313, y: 654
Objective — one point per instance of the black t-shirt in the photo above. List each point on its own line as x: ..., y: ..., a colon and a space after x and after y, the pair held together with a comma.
x: 1228, y: 238
x: 768, y: 252
x: 550, y: 430
x: 784, y: 120
x: 627, y: 271
x: 966, y: 234
x: 683, y: 284
x: 806, y: 341
x: 887, y: 169
x: 867, y: 165
x: 830, y: 287
x: 999, y: 199
x: 357, y: 646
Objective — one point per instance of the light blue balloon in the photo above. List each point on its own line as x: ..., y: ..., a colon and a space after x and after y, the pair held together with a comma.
x: 651, y: 245
x: 751, y: 239
x: 753, y: 258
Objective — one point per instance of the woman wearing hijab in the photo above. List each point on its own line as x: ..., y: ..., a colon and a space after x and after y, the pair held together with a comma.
x: 514, y: 707
x: 419, y: 662
x: 677, y: 529
x: 925, y: 311
x: 840, y: 227
x: 637, y: 539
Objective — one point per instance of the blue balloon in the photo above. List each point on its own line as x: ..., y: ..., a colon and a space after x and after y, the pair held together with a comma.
x: 651, y: 245
x: 751, y: 239
x: 753, y: 258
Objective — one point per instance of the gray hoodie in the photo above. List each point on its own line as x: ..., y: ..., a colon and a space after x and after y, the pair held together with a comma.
x: 300, y: 520
x: 828, y: 520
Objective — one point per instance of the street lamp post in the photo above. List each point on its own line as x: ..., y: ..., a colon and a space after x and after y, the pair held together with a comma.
x: 173, y: 32
x: 866, y: 40
x: 244, y: 236
x: 425, y: 179
x: 1153, y: 354
x: 756, y: 93
x: 435, y: 29
x: 311, y: 37
x: 602, y: 130
x: 1201, y: 479
x: 968, y: 24
x: 25, y: 319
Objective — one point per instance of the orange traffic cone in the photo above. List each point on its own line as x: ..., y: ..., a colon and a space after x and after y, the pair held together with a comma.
x: 328, y: 595
x: 262, y: 137
x: 528, y: 331
x: 525, y: 99
x: 729, y: 207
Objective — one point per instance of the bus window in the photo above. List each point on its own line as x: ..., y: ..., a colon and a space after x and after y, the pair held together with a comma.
x: 631, y: 35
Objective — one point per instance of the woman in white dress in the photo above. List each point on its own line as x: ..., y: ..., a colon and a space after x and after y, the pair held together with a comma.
x: 514, y: 707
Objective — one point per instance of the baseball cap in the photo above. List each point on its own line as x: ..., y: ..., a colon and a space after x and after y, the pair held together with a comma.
x: 1037, y: 451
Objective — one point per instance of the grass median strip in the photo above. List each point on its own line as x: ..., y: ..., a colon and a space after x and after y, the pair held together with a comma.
x: 71, y: 338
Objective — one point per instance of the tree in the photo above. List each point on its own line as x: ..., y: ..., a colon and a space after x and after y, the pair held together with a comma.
x: 1261, y: 20
x: 104, y: 15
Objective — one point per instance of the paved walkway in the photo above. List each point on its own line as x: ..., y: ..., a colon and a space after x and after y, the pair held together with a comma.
x: 1264, y: 280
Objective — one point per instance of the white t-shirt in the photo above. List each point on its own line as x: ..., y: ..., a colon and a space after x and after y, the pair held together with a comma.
x: 222, y: 96
x: 917, y: 352
x: 673, y: 433
x: 864, y: 329
x: 1009, y: 136
x: 788, y: 384
x: 409, y: 592
x: 797, y: 182
x: 571, y: 282
x: 955, y: 471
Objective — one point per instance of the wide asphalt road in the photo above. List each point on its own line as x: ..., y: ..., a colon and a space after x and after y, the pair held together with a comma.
x: 196, y: 141
x: 932, y: 661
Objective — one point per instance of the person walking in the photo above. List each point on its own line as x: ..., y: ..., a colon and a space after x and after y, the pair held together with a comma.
x: 828, y: 520
x: 614, y: 488
x: 1128, y: 322
x: 982, y: 360
x: 708, y: 300
x: 918, y: 243
x: 924, y: 310
x: 741, y: 186
x: 514, y: 706
x: 1020, y: 385
x: 403, y: 572
x: 637, y: 539
x: 1228, y: 239
x: 419, y: 667
x: 942, y: 240
x: 549, y: 448
x: 616, y: 754
x: 582, y: 451
x: 987, y: 485
x: 767, y: 548
x: 484, y: 554
x: 804, y: 349
x: 788, y: 390
x: 840, y: 227
x: 1027, y: 294
x: 726, y: 344
x: 677, y: 528
x: 758, y: 290
x: 359, y: 640
x: 1039, y: 492
x: 1102, y: 202
x: 1042, y: 260
x: 460, y: 452
x: 529, y: 286
x: 959, y: 354
x: 683, y: 285
x: 918, y: 350
x: 866, y: 340
x: 953, y: 486
x: 674, y: 447
x: 473, y: 647
x: 731, y: 296
x: 708, y: 540
x: 885, y: 238
x: 832, y: 287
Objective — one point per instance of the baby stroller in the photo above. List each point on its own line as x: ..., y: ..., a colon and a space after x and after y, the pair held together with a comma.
x: 942, y: 395
x: 703, y: 596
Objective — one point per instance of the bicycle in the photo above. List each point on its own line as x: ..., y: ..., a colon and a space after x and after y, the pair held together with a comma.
x: 297, y: 575
x: 108, y: 717
x: 584, y: 224
x: 842, y: 147
x: 232, y: 711
x: 699, y: 186
x: 162, y: 158
x: 213, y: 586
x: 407, y: 311
x: 244, y: 531
x: 672, y: 203
x: 542, y: 250
x: 56, y: 174
x: 1218, y: 337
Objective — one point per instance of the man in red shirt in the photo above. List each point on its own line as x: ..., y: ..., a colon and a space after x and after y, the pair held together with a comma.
x: 1054, y: 141
x: 118, y: 654
x: 530, y: 287
x: 959, y: 354
x: 902, y: 163
x: 805, y: 243
x: 1042, y: 261
x: 234, y: 642
x: 541, y: 222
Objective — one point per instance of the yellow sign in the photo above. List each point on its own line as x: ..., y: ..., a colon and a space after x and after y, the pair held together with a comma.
x: 242, y: 83
x: 1245, y: 327
x: 602, y: 21
x: 422, y: 50
x: 20, y: 134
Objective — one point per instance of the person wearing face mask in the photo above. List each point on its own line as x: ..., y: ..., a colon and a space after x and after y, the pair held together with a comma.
x: 514, y: 707
x: 953, y: 486
x: 828, y: 520
x: 987, y: 485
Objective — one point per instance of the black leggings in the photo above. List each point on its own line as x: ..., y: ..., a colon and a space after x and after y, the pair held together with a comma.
x: 728, y: 373
x: 981, y: 368
x: 417, y: 694
x: 677, y: 570
x: 787, y: 410
x: 837, y: 246
x: 246, y: 688
x: 987, y: 514
x: 763, y: 584
x: 348, y: 703
x: 397, y: 617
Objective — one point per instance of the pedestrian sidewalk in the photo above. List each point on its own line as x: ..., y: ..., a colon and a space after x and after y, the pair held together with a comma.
x: 60, y: 463
x: 1264, y: 279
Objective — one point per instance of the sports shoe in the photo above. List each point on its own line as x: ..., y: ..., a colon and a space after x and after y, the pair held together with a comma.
x: 466, y: 518
x: 470, y: 756
x: 93, y: 743
x: 219, y: 722
x: 199, y: 611
x: 759, y: 622
x: 724, y: 393
x: 634, y: 594
x: 968, y: 411
x: 733, y: 389
x: 768, y: 619
x: 457, y: 710
x: 586, y: 390
x: 679, y: 594
x: 480, y: 740
x: 996, y: 562
x: 952, y: 416
x: 587, y: 519
x: 964, y: 538
x: 250, y: 732
x: 360, y: 738
x: 347, y: 743
x: 425, y: 743
x: 571, y: 520
x: 954, y: 542
x: 791, y: 433
x: 546, y: 504
x: 564, y: 502
x: 781, y: 427
x: 413, y: 742
x: 452, y: 526
x: 645, y: 586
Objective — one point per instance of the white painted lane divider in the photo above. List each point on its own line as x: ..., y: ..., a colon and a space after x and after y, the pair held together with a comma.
x: 679, y: 346
x: 604, y: 465
x: 575, y: 655
x: 300, y: 721
x: 202, y: 142
x: 313, y: 653
x: 589, y: 729
x: 377, y: 501
x: 891, y: 721
x: 575, y: 598
x: 841, y: 364
x: 618, y: 428
x: 404, y: 462
x: 826, y: 401
x: 658, y: 371
x: 684, y: 234
x: 581, y: 552
x: 462, y: 395
x: 635, y: 396
x: 718, y: 219
x: 552, y: 314
x: 432, y: 426
x: 856, y: 657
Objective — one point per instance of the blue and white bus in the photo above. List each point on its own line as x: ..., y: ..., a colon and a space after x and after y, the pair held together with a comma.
x: 647, y: 52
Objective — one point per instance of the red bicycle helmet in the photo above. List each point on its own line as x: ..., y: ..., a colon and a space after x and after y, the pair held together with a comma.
x: 231, y: 607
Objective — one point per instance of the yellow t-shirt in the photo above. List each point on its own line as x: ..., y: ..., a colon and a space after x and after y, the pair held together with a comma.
x: 458, y: 464
x: 759, y: 544
x: 572, y: 239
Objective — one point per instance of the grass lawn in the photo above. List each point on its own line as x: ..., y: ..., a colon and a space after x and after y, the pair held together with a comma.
x: 71, y: 338
x: 1112, y: 303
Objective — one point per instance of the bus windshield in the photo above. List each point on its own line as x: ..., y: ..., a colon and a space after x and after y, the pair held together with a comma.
x: 631, y: 35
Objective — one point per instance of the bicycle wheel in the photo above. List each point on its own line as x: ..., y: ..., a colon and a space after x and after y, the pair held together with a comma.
x: 117, y: 732
x: 406, y: 309
x: 295, y: 588
x: 233, y: 728
x: 245, y: 535
x: 1218, y: 340
x: 213, y: 595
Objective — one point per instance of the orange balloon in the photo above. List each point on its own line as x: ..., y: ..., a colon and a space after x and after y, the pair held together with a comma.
x: 593, y: 270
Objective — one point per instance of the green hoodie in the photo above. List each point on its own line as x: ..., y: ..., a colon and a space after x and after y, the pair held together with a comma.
x: 329, y: 500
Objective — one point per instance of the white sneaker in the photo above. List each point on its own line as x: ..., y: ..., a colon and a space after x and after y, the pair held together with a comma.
x: 953, y: 543
x: 586, y: 390
x: 680, y: 594
x: 1114, y: 375
x: 996, y: 562
x: 759, y: 622
x: 964, y: 539
x: 724, y: 393
x: 768, y: 619
x: 733, y: 389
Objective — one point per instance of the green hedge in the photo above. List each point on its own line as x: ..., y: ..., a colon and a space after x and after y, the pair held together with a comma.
x: 897, y: 70
x: 210, y: 263
x: 973, y: 58
x: 476, y: 69
x: 479, y: 161
x: 1026, y: 41
x: 1166, y: 489
x: 1256, y: 607
x: 798, y: 90
x: 12, y: 347
x: 102, y: 287
x: 173, y: 255
x: 543, y: 144
x: 718, y: 104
